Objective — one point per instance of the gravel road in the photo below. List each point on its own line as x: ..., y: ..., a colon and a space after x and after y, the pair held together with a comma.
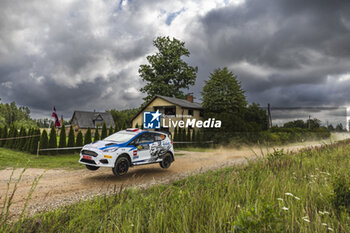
x: 60, y: 187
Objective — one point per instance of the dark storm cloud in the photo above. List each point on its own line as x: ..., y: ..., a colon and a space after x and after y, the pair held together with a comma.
x: 292, y: 47
x: 85, y: 55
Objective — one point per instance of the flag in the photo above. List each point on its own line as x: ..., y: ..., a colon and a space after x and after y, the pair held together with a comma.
x: 54, y: 114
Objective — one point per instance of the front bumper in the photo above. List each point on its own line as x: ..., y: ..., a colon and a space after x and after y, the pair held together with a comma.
x: 100, y: 160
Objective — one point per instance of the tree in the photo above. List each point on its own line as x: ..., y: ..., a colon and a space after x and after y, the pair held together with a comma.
x: 116, y: 128
x: 53, y: 139
x: 3, y: 136
x: 28, y: 140
x: 194, y: 137
x: 104, y: 131
x: 111, y: 131
x: 79, y: 141
x: 167, y: 74
x: 87, y: 139
x: 224, y: 88
x: 35, y: 141
x: 256, y: 117
x: 137, y: 125
x: 63, y: 138
x: 295, y: 124
x: 97, y: 135
x: 71, y: 137
x: 44, y: 141
x: 224, y: 99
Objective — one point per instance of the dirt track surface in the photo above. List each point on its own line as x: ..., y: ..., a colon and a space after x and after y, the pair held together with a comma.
x: 60, y: 187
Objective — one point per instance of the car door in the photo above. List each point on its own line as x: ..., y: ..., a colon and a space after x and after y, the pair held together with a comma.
x: 143, y: 144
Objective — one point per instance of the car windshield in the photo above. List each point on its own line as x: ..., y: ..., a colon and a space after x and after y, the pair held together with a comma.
x: 120, y: 137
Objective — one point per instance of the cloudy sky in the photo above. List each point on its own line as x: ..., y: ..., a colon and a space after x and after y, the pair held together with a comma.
x: 85, y: 54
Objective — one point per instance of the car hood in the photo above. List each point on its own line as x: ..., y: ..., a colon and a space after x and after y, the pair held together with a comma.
x: 103, y: 145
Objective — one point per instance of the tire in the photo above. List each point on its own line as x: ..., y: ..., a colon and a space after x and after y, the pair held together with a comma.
x: 166, y: 162
x: 121, y: 166
x: 92, y: 168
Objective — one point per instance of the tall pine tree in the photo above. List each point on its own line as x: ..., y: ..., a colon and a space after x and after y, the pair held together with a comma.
x: 116, y: 128
x: 63, y: 138
x: 111, y: 131
x: 44, y: 141
x: 3, y: 136
x: 97, y: 135
x: 53, y: 139
x: 104, y: 131
x: 71, y: 137
x: 87, y: 139
x: 79, y: 141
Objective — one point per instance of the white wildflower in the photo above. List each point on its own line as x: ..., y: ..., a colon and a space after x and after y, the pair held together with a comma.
x: 280, y: 199
x: 285, y: 208
x: 306, y: 220
x: 325, y: 212
x: 289, y: 194
x: 324, y: 224
x: 297, y: 198
x: 330, y: 229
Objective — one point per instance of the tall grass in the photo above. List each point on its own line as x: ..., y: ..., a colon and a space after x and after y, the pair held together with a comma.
x: 278, y: 193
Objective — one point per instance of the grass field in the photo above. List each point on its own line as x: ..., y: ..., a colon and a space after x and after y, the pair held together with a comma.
x: 304, y: 192
x: 13, y: 158
x: 19, y: 159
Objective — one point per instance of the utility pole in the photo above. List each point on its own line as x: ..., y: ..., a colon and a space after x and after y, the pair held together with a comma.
x: 269, y: 118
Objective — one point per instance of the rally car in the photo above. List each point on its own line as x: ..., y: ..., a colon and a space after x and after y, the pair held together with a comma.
x: 128, y: 148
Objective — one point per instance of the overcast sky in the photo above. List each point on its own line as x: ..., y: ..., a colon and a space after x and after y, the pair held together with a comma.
x: 85, y: 54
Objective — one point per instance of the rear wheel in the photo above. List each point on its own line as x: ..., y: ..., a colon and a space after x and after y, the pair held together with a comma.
x: 121, y: 166
x: 92, y: 168
x: 166, y: 162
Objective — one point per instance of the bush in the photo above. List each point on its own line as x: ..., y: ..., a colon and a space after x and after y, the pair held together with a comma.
x: 341, y: 198
x: 264, y: 219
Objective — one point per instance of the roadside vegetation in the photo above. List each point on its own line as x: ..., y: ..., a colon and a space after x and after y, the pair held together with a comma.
x: 18, y: 159
x: 281, y: 192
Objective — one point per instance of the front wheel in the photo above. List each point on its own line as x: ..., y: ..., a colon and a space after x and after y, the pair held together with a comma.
x: 166, y: 162
x: 121, y: 166
x: 92, y: 168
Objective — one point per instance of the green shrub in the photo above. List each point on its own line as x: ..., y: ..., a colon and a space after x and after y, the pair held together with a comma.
x: 341, y: 197
x: 266, y: 218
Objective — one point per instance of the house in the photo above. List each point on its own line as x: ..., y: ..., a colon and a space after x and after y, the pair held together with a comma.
x: 170, y: 108
x: 82, y: 120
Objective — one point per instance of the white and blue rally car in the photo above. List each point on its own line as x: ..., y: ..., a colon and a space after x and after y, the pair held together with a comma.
x: 128, y: 148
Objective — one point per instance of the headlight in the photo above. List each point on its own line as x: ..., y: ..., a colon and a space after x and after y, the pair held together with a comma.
x: 110, y: 149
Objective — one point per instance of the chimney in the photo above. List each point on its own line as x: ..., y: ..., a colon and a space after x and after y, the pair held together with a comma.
x: 190, y: 98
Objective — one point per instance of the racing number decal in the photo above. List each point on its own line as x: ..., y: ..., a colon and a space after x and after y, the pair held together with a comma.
x: 134, y: 153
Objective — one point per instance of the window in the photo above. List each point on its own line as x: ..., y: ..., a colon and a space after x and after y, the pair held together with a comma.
x: 144, y: 138
x: 190, y: 112
x: 170, y: 111
x: 159, y: 137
